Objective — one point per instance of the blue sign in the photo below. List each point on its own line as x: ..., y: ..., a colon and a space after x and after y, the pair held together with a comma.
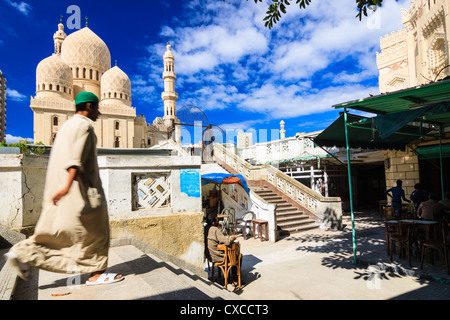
x: 190, y: 182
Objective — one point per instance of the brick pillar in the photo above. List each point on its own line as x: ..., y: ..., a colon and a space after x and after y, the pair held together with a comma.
x: 404, y: 166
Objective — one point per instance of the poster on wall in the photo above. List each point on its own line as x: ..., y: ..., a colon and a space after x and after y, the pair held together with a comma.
x: 190, y: 182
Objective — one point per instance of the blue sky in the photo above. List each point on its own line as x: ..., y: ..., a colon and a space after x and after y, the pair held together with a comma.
x: 243, y: 75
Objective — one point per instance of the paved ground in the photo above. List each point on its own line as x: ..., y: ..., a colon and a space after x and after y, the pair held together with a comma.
x: 315, y: 265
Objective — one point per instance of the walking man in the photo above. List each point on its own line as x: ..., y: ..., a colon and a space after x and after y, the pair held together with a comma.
x: 73, y: 229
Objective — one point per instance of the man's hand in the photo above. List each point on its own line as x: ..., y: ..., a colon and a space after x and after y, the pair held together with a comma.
x: 59, y: 195
x: 64, y: 191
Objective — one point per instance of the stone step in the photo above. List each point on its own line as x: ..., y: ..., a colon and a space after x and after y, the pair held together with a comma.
x: 287, y: 209
x: 300, y: 228
x: 272, y: 197
x: 281, y: 201
x: 8, y: 278
x: 146, y: 278
x: 291, y: 218
x: 294, y: 223
x: 284, y: 205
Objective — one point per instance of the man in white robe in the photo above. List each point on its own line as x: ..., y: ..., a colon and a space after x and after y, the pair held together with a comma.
x: 72, y: 234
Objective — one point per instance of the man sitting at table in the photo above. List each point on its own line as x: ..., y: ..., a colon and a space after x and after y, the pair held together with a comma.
x: 431, y: 209
x: 215, y: 237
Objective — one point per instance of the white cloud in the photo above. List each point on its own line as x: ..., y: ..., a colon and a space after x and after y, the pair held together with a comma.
x: 311, y: 60
x: 14, y: 95
x: 22, y: 7
x: 13, y: 139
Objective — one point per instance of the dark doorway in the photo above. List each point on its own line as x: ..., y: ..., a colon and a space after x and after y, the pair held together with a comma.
x: 430, y: 175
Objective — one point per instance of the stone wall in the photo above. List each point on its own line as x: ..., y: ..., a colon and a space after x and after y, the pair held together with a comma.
x: 402, y: 165
x: 172, y: 227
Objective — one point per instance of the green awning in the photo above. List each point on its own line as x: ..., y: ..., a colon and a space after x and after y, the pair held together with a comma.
x: 432, y: 152
x: 363, y: 134
x: 406, y: 100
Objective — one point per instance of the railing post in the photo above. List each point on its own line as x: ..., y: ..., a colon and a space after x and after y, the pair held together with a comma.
x: 350, y: 185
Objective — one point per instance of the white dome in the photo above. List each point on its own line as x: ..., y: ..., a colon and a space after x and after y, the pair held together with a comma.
x: 84, y: 50
x: 115, y: 84
x: 54, y: 75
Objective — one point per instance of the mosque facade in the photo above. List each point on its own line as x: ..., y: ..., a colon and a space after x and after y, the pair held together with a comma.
x: 82, y: 62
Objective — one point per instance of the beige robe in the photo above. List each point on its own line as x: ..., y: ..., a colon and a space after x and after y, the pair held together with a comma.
x: 73, y: 235
x: 216, y: 237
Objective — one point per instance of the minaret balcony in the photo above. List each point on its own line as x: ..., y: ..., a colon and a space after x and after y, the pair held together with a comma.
x: 169, y: 95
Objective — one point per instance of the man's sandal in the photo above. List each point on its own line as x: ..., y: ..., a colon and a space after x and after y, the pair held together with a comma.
x: 22, y: 269
x: 105, y: 278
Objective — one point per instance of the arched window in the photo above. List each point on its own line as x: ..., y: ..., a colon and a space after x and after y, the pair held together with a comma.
x: 117, y: 125
x: 116, y: 142
x: 77, y: 74
x: 57, y: 87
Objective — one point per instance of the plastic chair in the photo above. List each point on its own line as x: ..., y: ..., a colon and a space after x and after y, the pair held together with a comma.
x: 245, y: 222
x: 232, y: 258
x: 437, y: 244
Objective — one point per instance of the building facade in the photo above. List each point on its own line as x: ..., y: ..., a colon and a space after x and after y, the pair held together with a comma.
x: 419, y: 53
x: 2, y: 107
x: 415, y: 55
x: 82, y: 62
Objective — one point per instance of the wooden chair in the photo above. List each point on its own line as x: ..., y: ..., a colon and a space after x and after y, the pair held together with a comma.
x: 405, y: 237
x: 390, y: 213
x: 438, y: 244
x: 390, y: 229
x: 232, y: 258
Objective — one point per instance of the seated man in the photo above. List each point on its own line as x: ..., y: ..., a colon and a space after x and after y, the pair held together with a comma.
x: 431, y: 209
x: 215, y: 237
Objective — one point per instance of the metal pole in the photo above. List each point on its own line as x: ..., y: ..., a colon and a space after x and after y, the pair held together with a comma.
x: 440, y: 159
x: 350, y: 186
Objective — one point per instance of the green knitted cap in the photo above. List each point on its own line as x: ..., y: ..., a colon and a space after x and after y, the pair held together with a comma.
x: 85, y: 97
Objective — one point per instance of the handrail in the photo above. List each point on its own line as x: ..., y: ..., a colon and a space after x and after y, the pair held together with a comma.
x: 295, y: 190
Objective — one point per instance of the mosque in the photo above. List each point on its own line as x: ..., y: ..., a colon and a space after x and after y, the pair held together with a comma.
x: 82, y: 62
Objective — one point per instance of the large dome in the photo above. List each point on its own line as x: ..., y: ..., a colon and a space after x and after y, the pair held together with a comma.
x: 86, y: 54
x: 115, y: 84
x: 54, y: 75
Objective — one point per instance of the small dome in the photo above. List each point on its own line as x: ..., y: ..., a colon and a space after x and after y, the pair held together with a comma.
x: 115, y: 84
x: 83, y: 49
x: 53, y: 74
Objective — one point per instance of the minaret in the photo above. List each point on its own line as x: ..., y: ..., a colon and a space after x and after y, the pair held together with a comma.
x: 169, y: 95
x: 282, y: 131
x: 59, y: 37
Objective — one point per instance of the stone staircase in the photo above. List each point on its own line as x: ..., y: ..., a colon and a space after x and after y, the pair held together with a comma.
x: 291, y: 217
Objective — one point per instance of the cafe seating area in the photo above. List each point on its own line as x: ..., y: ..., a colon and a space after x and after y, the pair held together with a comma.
x: 407, y: 235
